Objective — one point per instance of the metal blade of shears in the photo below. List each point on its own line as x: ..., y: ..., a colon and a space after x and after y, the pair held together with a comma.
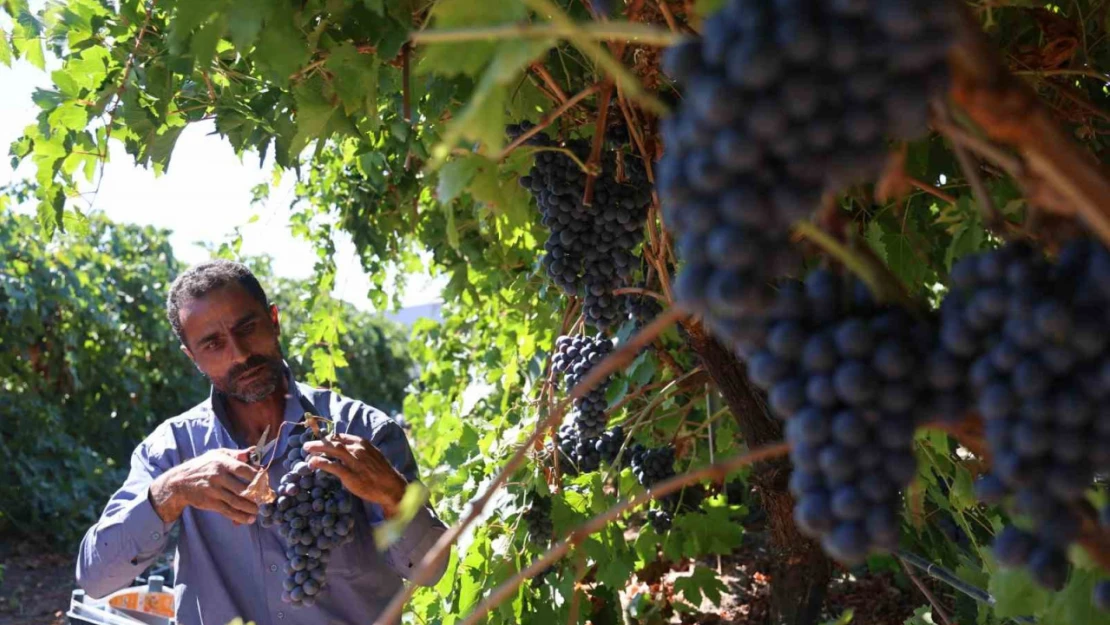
x: 256, y: 455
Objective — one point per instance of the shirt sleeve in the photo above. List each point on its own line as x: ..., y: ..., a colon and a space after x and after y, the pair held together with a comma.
x: 424, y: 530
x: 129, y: 534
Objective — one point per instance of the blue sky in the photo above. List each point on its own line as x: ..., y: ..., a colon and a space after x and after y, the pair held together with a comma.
x: 203, y: 196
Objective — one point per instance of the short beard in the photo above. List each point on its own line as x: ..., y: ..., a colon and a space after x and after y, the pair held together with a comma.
x: 267, y: 383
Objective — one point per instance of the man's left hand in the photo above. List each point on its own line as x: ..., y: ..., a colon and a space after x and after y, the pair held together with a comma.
x: 361, y: 467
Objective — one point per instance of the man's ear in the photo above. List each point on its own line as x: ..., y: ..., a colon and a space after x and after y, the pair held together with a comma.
x: 275, y: 318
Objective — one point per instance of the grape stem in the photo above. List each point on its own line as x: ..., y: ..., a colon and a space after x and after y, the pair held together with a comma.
x: 602, y: 370
x: 549, y: 82
x: 714, y: 472
x: 1009, y: 111
x: 548, y: 119
x: 659, y: 246
x: 599, y: 140
x: 1011, y: 164
x: 874, y: 273
x: 991, y: 217
x: 635, y: 290
x: 921, y: 185
x: 635, y: 32
x: 667, y: 15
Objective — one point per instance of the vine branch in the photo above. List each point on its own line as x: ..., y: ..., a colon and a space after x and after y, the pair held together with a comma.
x: 549, y: 81
x: 921, y: 185
x: 970, y: 167
x: 1010, y: 112
x: 548, y: 119
x: 639, y: 33
x: 599, y: 140
x: 717, y: 471
x: 621, y: 357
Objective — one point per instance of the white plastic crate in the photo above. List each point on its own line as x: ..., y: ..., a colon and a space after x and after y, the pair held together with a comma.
x: 150, y: 604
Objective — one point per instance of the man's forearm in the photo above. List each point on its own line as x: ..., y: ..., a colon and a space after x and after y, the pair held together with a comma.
x: 166, y: 498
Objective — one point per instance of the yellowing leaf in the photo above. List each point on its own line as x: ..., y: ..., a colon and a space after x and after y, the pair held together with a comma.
x: 391, y: 530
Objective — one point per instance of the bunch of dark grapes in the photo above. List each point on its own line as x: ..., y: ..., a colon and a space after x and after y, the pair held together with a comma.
x: 842, y: 371
x: 641, y: 308
x: 574, y: 357
x: 651, y: 466
x: 1034, y: 335
x: 971, y: 317
x: 579, y: 449
x: 609, y: 445
x: 313, y: 513
x: 660, y: 520
x: 783, y: 103
x: 538, y: 519
x: 655, y: 465
x: 590, y: 251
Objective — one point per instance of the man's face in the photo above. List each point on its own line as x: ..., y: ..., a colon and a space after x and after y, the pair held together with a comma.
x: 233, y: 340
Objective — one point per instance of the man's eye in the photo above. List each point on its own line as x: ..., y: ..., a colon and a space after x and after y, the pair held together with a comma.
x: 247, y: 328
x: 212, y: 345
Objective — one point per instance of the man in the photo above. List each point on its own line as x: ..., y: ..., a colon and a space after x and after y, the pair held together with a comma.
x: 193, y: 469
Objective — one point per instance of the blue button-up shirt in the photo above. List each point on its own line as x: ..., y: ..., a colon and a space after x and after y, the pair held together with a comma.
x: 224, y: 571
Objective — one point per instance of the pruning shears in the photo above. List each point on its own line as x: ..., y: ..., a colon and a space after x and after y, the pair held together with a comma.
x: 259, y: 450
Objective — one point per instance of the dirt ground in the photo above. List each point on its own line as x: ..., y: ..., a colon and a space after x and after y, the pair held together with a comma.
x: 35, y: 585
x: 875, y: 599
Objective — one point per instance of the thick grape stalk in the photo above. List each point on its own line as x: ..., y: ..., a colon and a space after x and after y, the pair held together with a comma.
x: 1032, y: 338
x: 843, y: 373
x: 783, y: 103
x: 313, y: 513
x: 590, y: 251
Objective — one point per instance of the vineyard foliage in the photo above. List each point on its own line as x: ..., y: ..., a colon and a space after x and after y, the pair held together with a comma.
x: 89, y: 363
x: 394, y: 116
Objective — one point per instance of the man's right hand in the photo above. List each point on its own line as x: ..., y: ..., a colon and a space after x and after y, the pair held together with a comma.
x: 213, y: 481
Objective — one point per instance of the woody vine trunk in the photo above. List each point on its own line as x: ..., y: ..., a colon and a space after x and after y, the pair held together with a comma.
x: 800, y: 572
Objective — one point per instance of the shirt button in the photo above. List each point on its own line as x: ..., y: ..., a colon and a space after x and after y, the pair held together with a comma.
x: 156, y: 535
x: 273, y: 568
x: 281, y: 615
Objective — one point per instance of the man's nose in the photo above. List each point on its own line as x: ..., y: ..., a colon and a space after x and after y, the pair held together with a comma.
x: 239, y: 351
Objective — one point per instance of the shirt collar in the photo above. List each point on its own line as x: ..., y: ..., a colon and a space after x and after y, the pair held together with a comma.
x: 294, y: 409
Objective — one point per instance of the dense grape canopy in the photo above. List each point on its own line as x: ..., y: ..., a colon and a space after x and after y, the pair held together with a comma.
x: 314, y: 513
x: 590, y: 251
x: 784, y: 102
